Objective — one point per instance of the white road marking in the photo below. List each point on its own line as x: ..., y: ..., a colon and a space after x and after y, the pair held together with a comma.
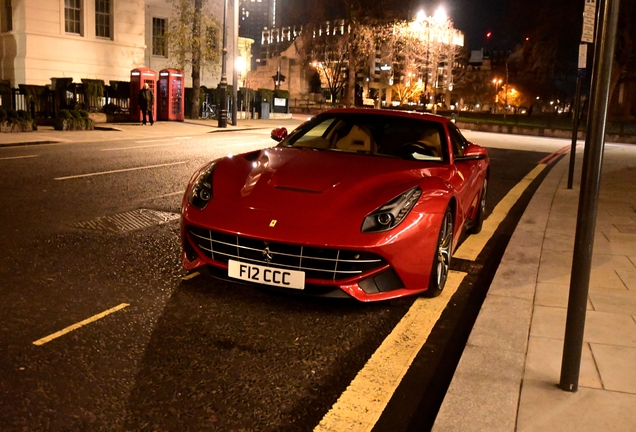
x: 362, y: 403
x: 19, y: 157
x: 160, y: 196
x: 79, y: 324
x: 474, y: 244
x: 138, y: 147
x: 118, y: 171
x: 163, y: 139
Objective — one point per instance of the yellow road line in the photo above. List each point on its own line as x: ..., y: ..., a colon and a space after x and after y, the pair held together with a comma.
x: 190, y: 276
x: 79, y: 324
x: 362, y: 403
x: 474, y: 244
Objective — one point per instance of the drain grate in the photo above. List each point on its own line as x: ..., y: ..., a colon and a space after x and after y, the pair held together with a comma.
x: 128, y: 221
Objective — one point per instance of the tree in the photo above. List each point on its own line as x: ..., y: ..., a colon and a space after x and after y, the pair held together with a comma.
x: 328, y: 53
x: 360, y: 47
x: 410, y: 91
x: 476, y: 88
x: 420, y: 50
x: 193, y: 40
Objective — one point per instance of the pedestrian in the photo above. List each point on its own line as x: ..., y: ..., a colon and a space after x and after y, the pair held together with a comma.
x: 146, y: 104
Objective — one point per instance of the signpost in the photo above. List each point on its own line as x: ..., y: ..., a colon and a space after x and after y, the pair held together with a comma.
x: 587, y: 37
x: 588, y: 198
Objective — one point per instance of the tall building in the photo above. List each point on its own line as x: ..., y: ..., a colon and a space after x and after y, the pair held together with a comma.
x: 256, y: 15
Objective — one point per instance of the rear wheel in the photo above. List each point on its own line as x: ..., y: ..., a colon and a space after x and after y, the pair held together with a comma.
x: 478, y: 222
x: 442, y: 258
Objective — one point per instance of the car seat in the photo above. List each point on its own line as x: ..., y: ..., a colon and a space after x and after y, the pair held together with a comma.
x: 357, y: 140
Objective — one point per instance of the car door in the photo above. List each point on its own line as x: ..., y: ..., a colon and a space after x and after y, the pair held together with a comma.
x: 467, y: 171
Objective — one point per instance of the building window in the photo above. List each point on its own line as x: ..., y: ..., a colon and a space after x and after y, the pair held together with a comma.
x: 159, y: 37
x: 102, y: 18
x: 73, y: 16
x: 7, y: 16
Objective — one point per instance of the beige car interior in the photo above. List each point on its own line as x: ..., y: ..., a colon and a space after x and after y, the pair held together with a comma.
x: 358, y: 139
x: 430, y: 138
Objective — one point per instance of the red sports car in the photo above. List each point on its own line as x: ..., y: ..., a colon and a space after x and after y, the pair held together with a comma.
x: 359, y: 203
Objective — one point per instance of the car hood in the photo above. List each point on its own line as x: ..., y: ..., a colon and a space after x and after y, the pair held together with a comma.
x: 308, y: 189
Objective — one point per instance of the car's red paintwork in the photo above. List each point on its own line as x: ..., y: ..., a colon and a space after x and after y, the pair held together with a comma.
x: 321, y: 198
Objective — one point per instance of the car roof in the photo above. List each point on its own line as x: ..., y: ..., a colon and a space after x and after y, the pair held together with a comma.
x: 389, y: 112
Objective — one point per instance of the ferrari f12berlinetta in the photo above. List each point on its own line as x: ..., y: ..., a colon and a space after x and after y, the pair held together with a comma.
x: 359, y: 203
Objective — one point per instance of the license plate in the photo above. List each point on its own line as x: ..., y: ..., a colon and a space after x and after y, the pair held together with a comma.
x: 266, y: 275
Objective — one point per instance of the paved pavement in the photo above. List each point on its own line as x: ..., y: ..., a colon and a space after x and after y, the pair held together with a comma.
x: 507, y: 377
x: 135, y: 131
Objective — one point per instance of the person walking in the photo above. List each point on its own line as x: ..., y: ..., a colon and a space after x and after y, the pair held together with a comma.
x: 146, y: 104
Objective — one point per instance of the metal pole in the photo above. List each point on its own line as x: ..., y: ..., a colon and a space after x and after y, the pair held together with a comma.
x: 575, y: 129
x: 234, y: 71
x: 506, y: 98
x: 588, y: 200
x: 223, y: 84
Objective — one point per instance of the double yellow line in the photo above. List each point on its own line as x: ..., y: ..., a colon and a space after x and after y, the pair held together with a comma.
x: 364, y: 400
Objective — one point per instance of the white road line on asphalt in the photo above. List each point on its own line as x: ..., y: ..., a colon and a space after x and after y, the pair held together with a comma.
x: 118, y: 171
x: 163, y: 139
x: 18, y: 157
x: 140, y: 147
x: 474, y: 244
x: 160, y: 196
x: 79, y: 324
x: 362, y: 403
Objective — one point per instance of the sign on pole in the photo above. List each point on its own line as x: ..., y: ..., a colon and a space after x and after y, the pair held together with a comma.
x: 582, y: 56
x: 589, y: 19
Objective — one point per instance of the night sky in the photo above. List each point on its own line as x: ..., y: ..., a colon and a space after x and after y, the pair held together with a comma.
x: 476, y: 18
x: 473, y: 17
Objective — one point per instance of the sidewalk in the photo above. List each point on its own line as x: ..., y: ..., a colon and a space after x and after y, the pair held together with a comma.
x: 507, y: 378
x: 135, y: 131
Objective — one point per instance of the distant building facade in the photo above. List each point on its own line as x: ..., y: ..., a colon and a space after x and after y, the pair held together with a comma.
x: 96, y: 39
x: 254, y: 17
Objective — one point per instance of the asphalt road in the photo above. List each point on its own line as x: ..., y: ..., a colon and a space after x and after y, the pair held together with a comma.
x: 197, y: 354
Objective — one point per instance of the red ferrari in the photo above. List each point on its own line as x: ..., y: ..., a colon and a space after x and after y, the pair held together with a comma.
x: 359, y: 203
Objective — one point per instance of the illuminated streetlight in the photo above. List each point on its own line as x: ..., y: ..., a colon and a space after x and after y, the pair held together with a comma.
x: 496, y: 82
x: 440, y: 15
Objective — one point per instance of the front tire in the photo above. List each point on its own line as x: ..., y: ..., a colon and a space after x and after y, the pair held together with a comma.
x: 478, y: 222
x: 442, y: 258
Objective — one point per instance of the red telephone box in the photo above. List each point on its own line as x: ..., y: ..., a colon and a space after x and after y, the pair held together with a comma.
x: 171, y: 100
x: 139, y: 77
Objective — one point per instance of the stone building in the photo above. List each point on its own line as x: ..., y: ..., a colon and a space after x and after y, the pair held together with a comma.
x: 95, y: 39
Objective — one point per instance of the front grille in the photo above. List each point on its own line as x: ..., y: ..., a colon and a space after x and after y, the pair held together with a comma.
x: 317, y: 263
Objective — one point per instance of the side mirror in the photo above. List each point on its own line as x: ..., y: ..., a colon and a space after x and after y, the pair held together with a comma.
x: 473, y: 152
x: 279, y: 134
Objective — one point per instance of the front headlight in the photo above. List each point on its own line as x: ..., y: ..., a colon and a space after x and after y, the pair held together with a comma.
x: 201, y: 191
x: 392, y: 213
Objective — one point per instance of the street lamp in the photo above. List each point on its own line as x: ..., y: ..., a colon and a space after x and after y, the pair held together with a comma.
x: 223, y: 84
x: 496, y: 82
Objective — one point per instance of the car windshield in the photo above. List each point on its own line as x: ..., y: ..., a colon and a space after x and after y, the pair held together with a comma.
x: 384, y: 135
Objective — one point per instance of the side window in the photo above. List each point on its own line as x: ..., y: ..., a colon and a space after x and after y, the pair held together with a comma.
x: 457, y: 139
